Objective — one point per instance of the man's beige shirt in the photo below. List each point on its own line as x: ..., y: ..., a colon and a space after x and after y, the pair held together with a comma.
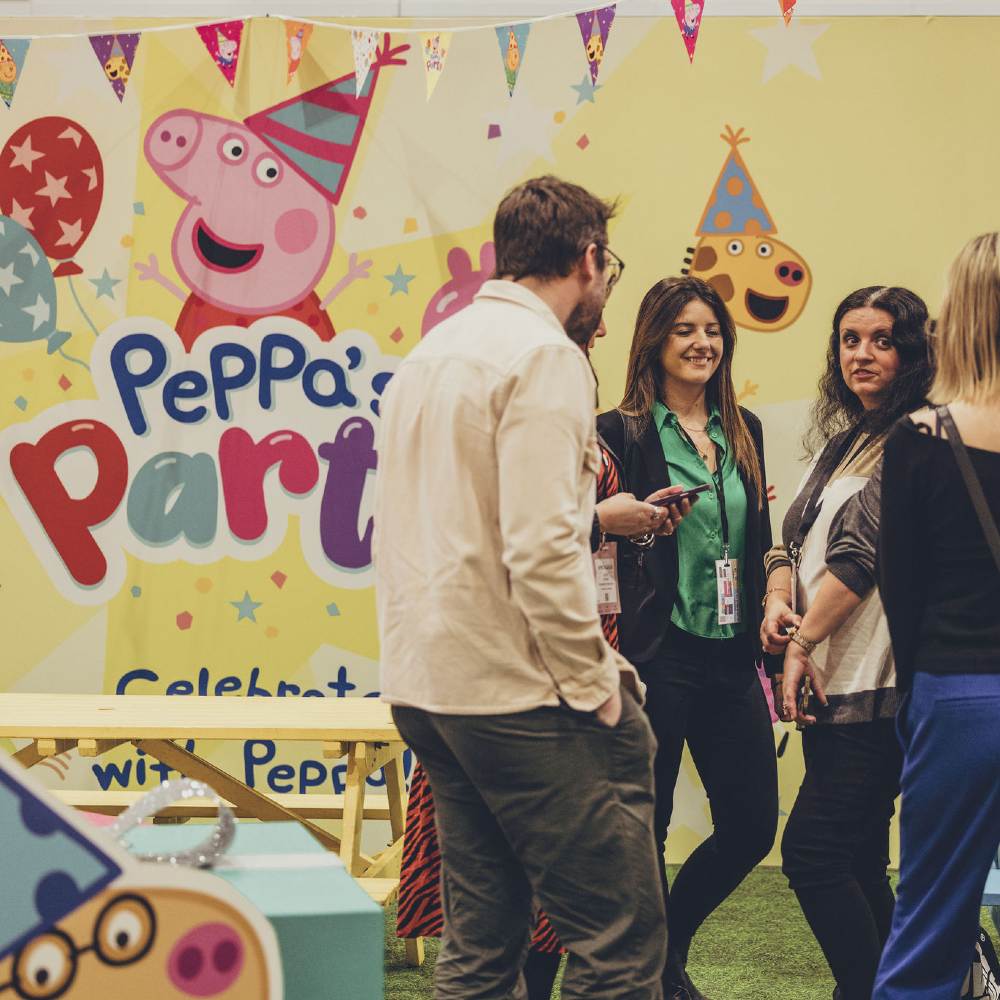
x: 484, y: 501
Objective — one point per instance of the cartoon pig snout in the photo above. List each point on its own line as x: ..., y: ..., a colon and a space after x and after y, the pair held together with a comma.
x: 172, y: 139
x: 790, y: 273
x: 207, y: 960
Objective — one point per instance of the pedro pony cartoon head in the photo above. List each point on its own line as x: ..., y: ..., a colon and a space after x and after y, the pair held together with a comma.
x: 764, y: 282
x: 8, y: 68
x: 83, y: 919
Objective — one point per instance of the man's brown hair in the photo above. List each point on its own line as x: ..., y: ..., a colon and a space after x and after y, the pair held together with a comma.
x: 543, y: 226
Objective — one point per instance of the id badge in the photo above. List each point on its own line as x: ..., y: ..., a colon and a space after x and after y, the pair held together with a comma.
x: 727, y: 584
x: 606, y: 575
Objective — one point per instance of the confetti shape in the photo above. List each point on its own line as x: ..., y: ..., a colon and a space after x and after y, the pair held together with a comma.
x: 64, y: 383
x: 21, y: 403
x: 184, y: 620
x: 583, y: 142
x: 410, y: 225
x: 136, y: 591
x: 278, y: 578
x: 396, y: 336
x: 360, y: 213
x: 493, y: 132
x: 203, y: 585
x: 332, y: 610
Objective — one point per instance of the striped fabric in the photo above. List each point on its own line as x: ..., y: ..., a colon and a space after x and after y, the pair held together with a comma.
x: 419, y: 909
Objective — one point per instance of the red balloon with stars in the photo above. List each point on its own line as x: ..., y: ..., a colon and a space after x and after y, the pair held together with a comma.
x: 52, y: 182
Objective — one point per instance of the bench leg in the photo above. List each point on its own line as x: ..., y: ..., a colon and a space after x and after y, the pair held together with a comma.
x: 354, y: 807
x: 414, y: 951
x: 229, y: 788
x: 28, y: 756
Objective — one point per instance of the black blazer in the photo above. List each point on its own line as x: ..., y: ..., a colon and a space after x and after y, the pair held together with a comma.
x: 648, y: 577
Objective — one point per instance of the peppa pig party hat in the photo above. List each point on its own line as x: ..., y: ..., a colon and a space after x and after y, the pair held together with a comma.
x: 317, y: 133
x: 735, y: 205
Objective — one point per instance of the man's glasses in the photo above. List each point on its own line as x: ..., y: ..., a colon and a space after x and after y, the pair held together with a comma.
x: 613, y: 265
x: 46, y: 966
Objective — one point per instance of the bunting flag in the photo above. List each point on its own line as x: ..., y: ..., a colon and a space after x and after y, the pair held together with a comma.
x: 116, y: 54
x: 688, y: 14
x: 786, y: 9
x: 595, y: 26
x: 435, y: 49
x: 223, y: 43
x: 513, y: 43
x: 365, y: 44
x: 297, y: 37
x: 12, y: 56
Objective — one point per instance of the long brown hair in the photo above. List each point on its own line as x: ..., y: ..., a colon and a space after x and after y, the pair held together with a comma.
x: 658, y: 313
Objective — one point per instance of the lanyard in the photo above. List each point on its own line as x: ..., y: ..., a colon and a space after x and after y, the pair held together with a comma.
x: 719, y: 479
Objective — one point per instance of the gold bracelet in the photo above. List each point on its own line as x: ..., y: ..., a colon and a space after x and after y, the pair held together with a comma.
x: 773, y: 590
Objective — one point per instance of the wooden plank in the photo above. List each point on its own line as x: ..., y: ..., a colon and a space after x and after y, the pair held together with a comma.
x: 27, y: 756
x: 335, y: 749
x: 382, y: 890
x: 229, y: 788
x: 94, y: 748
x: 414, y: 951
x: 354, y: 804
x: 50, y: 747
x: 314, y: 806
x: 386, y: 861
x: 79, y: 716
x: 395, y: 786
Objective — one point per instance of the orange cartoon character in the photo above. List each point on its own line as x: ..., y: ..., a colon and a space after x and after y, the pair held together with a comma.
x: 764, y: 282
x: 8, y: 74
x: 595, y: 46
x: 84, y: 919
x: 117, y: 68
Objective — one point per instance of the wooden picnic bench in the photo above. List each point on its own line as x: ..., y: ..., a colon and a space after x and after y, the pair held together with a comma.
x: 358, y: 729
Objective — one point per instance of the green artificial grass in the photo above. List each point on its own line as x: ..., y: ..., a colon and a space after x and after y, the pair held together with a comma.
x: 756, y: 946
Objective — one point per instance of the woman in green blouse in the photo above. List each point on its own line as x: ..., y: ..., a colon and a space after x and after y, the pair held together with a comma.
x: 691, y: 602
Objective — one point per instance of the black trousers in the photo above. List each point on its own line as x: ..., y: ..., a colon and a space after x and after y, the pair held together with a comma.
x: 548, y: 806
x: 707, y: 692
x: 835, y: 849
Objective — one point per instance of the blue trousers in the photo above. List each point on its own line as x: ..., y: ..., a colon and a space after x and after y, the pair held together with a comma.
x: 949, y: 829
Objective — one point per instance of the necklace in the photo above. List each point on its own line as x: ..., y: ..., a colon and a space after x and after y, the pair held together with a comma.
x: 696, y: 430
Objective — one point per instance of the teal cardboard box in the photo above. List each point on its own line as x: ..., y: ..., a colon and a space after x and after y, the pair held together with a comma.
x: 330, y: 932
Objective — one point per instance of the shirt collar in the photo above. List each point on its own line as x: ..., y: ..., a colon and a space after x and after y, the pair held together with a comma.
x: 663, y: 416
x: 510, y: 291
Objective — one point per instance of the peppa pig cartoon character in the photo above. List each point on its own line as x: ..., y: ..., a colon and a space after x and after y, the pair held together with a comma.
x: 459, y: 291
x: 257, y: 230
x: 692, y: 18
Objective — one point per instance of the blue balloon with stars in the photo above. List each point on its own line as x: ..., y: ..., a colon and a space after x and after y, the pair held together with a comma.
x: 27, y: 289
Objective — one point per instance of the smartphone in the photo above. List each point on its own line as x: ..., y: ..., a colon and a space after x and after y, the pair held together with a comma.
x: 683, y: 495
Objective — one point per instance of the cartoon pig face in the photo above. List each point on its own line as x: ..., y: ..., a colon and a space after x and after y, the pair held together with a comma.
x: 167, y: 944
x: 692, y: 12
x: 764, y: 282
x: 116, y: 68
x: 8, y: 68
x: 226, y: 47
x: 255, y: 236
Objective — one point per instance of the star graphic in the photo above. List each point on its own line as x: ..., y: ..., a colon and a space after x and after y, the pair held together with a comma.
x: 586, y: 89
x: 8, y: 279
x: 72, y: 134
x: 24, y: 155
x: 246, y: 607
x: 55, y: 188
x: 105, y: 285
x: 20, y: 214
x: 400, y: 282
x: 71, y: 234
x: 39, y: 312
x: 29, y: 251
x: 91, y: 174
x: 790, y: 46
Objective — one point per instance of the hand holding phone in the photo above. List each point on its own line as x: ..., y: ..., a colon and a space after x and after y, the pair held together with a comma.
x: 676, y: 498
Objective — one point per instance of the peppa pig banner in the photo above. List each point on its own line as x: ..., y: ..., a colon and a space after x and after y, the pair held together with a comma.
x: 208, y: 277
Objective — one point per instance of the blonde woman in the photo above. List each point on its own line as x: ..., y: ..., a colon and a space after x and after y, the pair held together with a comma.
x: 939, y: 579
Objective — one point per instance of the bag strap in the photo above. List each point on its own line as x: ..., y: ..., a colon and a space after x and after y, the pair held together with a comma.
x: 986, y: 519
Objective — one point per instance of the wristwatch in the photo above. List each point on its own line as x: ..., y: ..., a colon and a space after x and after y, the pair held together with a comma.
x: 800, y: 640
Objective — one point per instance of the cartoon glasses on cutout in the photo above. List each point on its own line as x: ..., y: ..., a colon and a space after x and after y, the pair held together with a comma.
x: 46, y: 966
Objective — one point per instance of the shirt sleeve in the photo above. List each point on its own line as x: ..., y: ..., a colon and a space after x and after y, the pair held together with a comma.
x: 852, y: 544
x: 545, y: 435
x: 900, y: 575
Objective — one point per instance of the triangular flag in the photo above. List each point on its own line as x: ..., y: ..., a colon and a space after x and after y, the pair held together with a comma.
x: 116, y: 54
x: 688, y: 14
x: 297, y: 37
x: 513, y: 42
x: 365, y: 42
x: 595, y: 26
x: 223, y: 43
x: 435, y: 50
x: 12, y: 56
x: 786, y: 9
